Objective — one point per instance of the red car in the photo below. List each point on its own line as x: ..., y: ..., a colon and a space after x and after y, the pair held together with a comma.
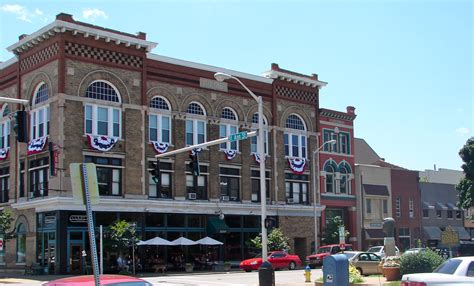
x: 278, y: 259
x: 88, y: 280
x: 316, y: 259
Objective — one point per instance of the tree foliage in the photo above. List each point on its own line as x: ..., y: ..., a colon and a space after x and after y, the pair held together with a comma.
x: 277, y: 240
x: 331, y: 234
x: 465, y: 187
x: 6, y: 219
x: 124, y: 234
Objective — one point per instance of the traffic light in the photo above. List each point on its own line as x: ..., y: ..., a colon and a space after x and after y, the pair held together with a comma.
x: 270, y: 222
x: 20, y: 126
x: 155, y: 172
x: 194, y: 164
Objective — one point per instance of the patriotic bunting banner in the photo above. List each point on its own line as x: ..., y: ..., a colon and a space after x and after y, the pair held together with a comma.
x: 194, y: 151
x: 4, y: 153
x: 37, y: 145
x: 230, y: 154
x: 256, y: 157
x: 160, y: 147
x: 101, y: 143
x: 297, y: 165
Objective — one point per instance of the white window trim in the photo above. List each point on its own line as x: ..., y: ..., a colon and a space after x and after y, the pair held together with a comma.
x: 300, y: 145
x: 34, y: 121
x: 5, y: 124
x: 228, y: 127
x: 159, y: 125
x: 110, y: 119
x: 195, y: 121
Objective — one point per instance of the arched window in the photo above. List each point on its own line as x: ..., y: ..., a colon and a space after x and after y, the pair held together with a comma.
x: 160, y: 120
x: 195, y: 124
x: 295, y: 137
x: 104, y: 119
x: 39, y: 115
x: 5, y: 127
x: 253, y: 140
x: 344, y: 184
x: 21, y: 243
x: 330, y: 168
x: 228, y: 125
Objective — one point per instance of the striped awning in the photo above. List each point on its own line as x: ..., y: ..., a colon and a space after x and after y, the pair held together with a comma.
x: 427, y: 205
x: 441, y: 206
x: 452, y: 206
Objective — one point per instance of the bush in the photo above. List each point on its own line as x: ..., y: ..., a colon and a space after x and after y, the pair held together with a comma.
x: 421, y: 262
x: 354, y: 274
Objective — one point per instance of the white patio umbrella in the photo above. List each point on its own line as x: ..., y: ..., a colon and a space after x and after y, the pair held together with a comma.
x: 183, y: 241
x: 155, y: 241
x: 209, y: 241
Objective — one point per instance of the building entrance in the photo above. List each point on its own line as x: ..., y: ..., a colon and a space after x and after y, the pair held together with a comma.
x: 75, y: 260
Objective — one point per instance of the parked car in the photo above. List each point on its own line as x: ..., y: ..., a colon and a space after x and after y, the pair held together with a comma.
x: 380, y: 250
x: 316, y: 259
x: 278, y: 259
x: 365, y: 262
x: 455, y: 271
x: 108, y: 279
x: 414, y: 250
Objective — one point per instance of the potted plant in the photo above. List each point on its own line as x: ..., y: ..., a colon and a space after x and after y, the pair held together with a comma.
x: 227, y: 266
x: 391, y: 268
x: 188, y: 267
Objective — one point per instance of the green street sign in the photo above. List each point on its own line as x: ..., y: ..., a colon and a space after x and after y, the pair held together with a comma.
x: 238, y: 136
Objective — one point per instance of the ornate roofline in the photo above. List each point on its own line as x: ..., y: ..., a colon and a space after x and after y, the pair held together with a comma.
x: 350, y: 115
x: 277, y: 73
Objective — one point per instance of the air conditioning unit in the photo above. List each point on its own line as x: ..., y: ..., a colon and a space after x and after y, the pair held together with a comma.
x: 225, y: 198
x: 289, y: 200
x: 192, y: 196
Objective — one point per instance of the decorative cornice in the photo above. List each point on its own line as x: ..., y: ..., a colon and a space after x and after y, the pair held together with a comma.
x: 7, y: 63
x: 336, y: 115
x: 59, y: 26
x: 302, y: 80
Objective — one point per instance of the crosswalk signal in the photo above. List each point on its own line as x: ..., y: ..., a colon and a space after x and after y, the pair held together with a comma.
x: 194, y: 164
x: 270, y: 222
x: 155, y: 172
x: 20, y: 126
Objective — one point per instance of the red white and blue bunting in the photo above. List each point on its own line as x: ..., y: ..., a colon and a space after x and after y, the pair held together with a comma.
x: 256, y: 157
x: 297, y: 165
x: 37, y: 145
x: 160, y: 147
x: 4, y: 153
x: 195, y: 151
x: 101, y: 143
x: 230, y: 154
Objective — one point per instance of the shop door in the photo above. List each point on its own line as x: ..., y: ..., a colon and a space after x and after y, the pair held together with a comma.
x: 75, y: 260
x: 300, y: 248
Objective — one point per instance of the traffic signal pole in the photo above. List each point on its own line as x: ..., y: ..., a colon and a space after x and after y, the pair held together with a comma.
x: 205, y: 144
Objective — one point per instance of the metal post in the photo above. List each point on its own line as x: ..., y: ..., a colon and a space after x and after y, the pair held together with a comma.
x: 263, y: 193
x: 101, y: 250
x: 90, y: 223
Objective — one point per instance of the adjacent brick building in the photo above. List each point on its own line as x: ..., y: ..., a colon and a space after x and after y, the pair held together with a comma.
x: 98, y: 95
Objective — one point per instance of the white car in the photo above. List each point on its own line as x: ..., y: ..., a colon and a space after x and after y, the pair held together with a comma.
x: 379, y: 250
x: 457, y: 271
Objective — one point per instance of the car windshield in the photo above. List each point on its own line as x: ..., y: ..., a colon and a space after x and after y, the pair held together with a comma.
x: 448, y: 267
x: 375, y: 249
x: 324, y: 250
x: 134, y: 283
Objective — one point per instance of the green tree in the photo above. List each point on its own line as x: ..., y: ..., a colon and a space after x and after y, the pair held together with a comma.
x: 277, y: 240
x: 331, y: 234
x: 6, y: 219
x: 124, y: 235
x: 465, y: 187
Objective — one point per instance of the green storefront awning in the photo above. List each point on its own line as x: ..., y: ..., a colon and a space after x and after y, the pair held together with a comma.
x: 216, y: 225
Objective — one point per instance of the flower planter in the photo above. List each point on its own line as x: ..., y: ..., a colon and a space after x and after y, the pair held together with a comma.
x: 391, y: 273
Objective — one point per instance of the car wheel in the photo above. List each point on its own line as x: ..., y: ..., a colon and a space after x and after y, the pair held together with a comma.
x: 360, y: 270
x: 292, y: 265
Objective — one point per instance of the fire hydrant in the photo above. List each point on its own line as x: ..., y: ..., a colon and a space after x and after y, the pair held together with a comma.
x: 307, y: 273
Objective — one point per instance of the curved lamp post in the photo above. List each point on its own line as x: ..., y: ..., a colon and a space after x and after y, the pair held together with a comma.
x: 219, y: 76
x: 316, y: 188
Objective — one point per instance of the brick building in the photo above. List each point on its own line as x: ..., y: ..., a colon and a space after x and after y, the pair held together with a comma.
x: 99, y: 95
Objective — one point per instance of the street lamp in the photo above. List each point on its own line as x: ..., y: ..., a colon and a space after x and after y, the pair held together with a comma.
x: 219, y: 76
x: 316, y: 188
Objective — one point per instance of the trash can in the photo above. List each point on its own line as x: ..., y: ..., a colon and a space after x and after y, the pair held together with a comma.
x: 266, y: 274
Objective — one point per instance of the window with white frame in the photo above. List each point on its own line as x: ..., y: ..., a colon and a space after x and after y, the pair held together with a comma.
x: 398, y: 210
x: 296, y: 188
x: 344, y: 183
x: 295, y: 137
x: 411, y: 208
x: 163, y: 188
x: 228, y: 126
x: 38, y: 177
x: 109, y: 174
x: 255, y: 177
x: 229, y: 180
x: 330, y: 168
x: 195, y: 124
x: 253, y: 140
x: 39, y: 114
x: 368, y: 206
x: 4, y: 184
x: 5, y: 127
x: 159, y: 120
x: 385, y: 206
x: 196, y: 186
x: 102, y: 119
x: 342, y: 144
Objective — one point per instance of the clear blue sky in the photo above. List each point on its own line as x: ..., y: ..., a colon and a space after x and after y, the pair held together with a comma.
x: 407, y: 66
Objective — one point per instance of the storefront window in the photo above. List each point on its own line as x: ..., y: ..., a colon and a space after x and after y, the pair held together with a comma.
x: 109, y: 175
x: 175, y: 220
x: 154, y: 220
x: 105, y: 218
x: 2, y: 251
x: 230, y: 184
x: 21, y: 243
x: 196, y: 220
x: 251, y: 221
